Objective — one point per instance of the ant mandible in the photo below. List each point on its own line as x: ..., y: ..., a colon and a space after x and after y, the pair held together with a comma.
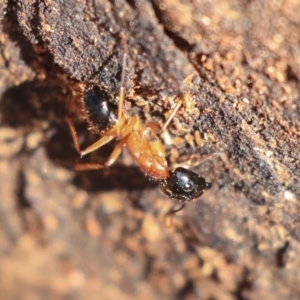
x: 142, y: 141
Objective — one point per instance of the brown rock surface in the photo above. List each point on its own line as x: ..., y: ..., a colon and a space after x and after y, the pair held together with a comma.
x: 101, y: 234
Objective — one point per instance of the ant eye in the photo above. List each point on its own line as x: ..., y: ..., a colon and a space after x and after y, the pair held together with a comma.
x: 184, y: 185
x: 188, y: 187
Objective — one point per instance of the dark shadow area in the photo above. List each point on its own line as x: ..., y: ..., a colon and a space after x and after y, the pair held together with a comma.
x: 30, y: 104
x: 116, y: 177
x: 246, y: 284
x: 186, y: 291
x: 27, y: 105
x: 281, y: 255
x: 20, y: 192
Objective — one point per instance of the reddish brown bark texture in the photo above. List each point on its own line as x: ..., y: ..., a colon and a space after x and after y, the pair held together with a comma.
x: 101, y: 235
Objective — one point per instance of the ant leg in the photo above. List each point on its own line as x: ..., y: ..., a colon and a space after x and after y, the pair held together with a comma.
x: 107, y: 138
x: 72, y: 125
x: 172, y: 212
x: 101, y: 142
x: 116, y: 152
x: 177, y: 106
x: 127, y: 129
x: 88, y: 167
x: 111, y: 160
x: 122, y: 89
x: 81, y: 167
x: 74, y: 134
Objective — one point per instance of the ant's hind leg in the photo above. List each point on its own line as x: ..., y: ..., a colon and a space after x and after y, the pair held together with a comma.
x: 111, y: 160
x: 88, y: 167
x: 107, y: 138
x: 70, y: 107
x: 98, y: 144
x: 116, y: 152
x: 101, y: 142
x: 74, y: 134
x: 122, y: 88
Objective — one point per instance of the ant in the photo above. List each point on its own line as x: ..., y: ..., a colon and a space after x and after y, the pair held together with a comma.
x: 142, y: 141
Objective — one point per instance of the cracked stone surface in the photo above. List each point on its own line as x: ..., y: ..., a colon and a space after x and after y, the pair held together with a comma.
x: 235, y: 65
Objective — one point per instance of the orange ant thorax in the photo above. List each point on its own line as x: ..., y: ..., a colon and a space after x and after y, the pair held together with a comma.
x: 148, y: 151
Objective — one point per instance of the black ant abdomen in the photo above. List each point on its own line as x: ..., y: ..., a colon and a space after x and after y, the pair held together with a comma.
x: 101, y: 114
x: 184, y: 185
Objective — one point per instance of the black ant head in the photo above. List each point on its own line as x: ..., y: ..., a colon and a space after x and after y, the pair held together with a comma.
x: 184, y: 185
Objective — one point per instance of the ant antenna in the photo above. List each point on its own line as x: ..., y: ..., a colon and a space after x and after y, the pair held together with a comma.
x: 122, y: 87
x: 190, y: 163
x: 172, y: 212
x: 198, y: 161
x: 177, y: 106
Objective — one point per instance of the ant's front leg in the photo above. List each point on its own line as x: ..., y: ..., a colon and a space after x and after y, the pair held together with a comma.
x: 171, y: 213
